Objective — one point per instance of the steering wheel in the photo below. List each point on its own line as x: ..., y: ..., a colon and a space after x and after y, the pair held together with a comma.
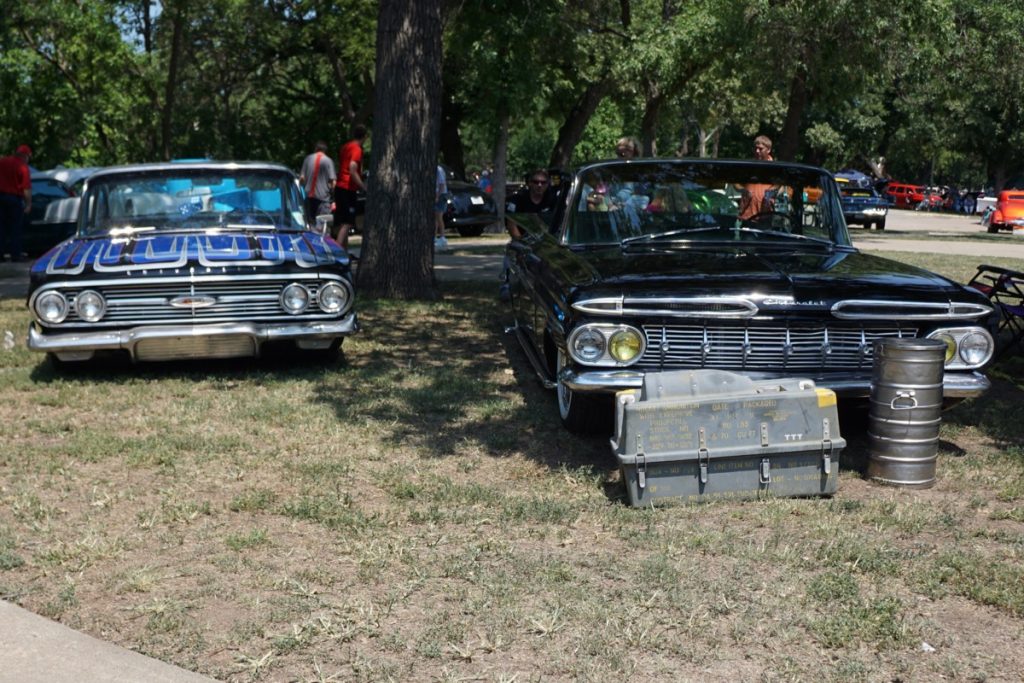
x: 765, y: 219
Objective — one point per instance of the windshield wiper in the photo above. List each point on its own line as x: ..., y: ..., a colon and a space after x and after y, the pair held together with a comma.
x: 657, y: 236
x: 126, y: 230
x: 788, y: 235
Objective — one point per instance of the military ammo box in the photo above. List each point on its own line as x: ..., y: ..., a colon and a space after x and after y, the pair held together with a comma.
x: 697, y: 435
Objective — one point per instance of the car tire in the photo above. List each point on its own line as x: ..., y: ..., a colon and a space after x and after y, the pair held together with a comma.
x: 993, y: 229
x: 470, y: 230
x: 880, y: 225
x: 581, y: 414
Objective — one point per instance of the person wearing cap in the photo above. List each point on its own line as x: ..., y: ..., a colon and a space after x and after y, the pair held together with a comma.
x: 15, y: 199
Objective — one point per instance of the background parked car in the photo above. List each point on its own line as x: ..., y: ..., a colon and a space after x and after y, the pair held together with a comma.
x: 904, y: 196
x: 470, y: 209
x: 1009, y: 211
x: 47, y: 227
x: 863, y: 206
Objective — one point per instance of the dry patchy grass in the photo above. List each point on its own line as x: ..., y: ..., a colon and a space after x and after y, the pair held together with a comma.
x: 415, y: 512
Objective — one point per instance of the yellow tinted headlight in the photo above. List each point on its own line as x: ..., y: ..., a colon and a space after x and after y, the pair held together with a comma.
x: 950, y: 345
x: 625, y: 345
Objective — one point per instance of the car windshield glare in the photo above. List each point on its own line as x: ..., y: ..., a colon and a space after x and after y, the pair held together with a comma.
x: 706, y: 201
x: 188, y: 199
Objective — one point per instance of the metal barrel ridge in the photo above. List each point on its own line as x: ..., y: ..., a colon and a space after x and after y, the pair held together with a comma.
x: 905, y: 412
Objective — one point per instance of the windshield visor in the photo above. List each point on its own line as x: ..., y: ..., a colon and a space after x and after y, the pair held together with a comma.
x: 191, y: 200
x: 616, y: 203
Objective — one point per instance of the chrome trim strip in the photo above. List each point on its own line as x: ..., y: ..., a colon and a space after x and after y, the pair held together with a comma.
x: 535, y: 362
x: 625, y: 306
x: 127, y: 339
x: 951, y: 310
x: 955, y: 385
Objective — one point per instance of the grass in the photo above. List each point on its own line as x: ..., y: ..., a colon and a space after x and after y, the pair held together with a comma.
x: 416, y: 512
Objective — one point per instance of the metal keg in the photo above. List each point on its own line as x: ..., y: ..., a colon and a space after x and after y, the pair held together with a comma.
x: 905, y: 412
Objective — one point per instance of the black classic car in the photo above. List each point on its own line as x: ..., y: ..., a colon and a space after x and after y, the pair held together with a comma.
x: 188, y: 260
x: 650, y: 265
x: 863, y: 206
x: 469, y: 209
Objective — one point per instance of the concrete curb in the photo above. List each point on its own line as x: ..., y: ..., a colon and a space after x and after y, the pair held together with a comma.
x: 37, y: 650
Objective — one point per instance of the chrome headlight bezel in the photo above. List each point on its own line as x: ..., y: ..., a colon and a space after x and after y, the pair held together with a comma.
x: 601, y: 336
x: 296, y: 294
x: 972, y: 347
x: 60, y: 312
x: 93, y: 312
x: 334, y: 291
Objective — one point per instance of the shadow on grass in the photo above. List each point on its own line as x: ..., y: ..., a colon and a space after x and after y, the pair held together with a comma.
x: 998, y: 414
x: 445, y: 378
x: 279, y: 363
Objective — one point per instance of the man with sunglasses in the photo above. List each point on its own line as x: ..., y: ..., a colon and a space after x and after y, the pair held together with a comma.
x: 535, y: 197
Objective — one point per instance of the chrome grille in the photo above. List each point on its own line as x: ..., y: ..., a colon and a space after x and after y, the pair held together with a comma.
x: 140, y: 303
x: 225, y: 346
x: 808, y: 349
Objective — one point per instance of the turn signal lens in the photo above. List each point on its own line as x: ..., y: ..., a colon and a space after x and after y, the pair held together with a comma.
x: 625, y: 345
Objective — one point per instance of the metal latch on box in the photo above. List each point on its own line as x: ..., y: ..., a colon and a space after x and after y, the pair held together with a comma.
x: 765, y: 471
x: 641, y: 463
x: 702, y: 455
x: 826, y: 447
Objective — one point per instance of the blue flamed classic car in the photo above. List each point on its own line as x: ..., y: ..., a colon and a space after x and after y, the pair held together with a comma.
x: 190, y: 260
x: 651, y: 265
x: 865, y: 207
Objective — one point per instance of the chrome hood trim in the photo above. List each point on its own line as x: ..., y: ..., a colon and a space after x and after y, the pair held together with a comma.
x: 730, y: 307
x: 869, y: 309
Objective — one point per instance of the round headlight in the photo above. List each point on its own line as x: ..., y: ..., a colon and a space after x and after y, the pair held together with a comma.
x: 295, y: 298
x: 588, y: 346
x: 52, y: 307
x: 90, y: 306
x: 950, y: 343
x: 333, y: 297
x: 975, y: 348
x: 625, y: 345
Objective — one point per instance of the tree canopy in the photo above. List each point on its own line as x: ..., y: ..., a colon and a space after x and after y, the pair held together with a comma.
x: 924, y: 90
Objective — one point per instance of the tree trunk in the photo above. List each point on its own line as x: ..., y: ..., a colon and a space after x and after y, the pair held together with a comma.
x: 789, y: 145
x: 572, y: 130
x: 177, y: 15
x: 649, y: 124
x: 397, y: 255
x: 500, y: 175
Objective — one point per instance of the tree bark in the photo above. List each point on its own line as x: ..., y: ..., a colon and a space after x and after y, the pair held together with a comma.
x: 649, y: 124
x: 174, y: 63
x: 789, y: 145
x: 397, y: 255
x: 572, y: 130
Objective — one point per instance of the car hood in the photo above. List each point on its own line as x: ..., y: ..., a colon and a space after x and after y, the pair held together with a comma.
x: 806, y: 278
x: 223, y: 250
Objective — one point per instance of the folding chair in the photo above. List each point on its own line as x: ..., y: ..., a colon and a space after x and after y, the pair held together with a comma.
x: 1005, y: 289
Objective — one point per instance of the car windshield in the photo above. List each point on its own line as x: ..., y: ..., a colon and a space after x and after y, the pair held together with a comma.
x: 191, y: 199
x: 639, y: 203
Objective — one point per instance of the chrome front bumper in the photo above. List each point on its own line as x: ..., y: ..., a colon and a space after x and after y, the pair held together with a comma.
x: 955, y: 384
x: 169, y: 342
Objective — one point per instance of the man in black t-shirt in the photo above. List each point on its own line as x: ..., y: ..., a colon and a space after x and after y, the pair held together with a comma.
x: 535, y: 197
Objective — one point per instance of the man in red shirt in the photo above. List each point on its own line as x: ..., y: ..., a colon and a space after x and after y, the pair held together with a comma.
x: 15, y: 199
x: 350, y: 181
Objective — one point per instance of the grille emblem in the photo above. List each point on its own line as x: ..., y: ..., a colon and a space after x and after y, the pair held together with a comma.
x: 193, y: 301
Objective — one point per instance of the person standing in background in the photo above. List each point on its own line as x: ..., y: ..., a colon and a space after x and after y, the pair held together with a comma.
x: 317, y: 177
x: 440, y: 204
x: 752, y: 198
x: 350, y: 182
x: 15, y: 199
